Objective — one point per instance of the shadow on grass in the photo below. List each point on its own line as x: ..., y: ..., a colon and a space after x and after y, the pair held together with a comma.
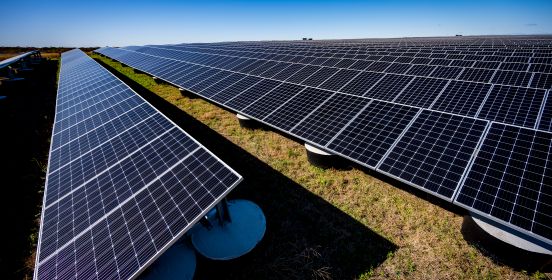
x: 26, y: 118
x: 306, y: 236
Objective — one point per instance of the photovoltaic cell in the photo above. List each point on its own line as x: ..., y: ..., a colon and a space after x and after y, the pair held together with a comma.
x: 434, y: 151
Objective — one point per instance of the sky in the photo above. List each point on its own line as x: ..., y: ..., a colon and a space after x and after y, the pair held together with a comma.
x: 122, y: 23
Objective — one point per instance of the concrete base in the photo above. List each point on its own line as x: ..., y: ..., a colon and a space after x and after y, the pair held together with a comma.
x: 509, y: 238
x: 505, y: 247
x: 178, y: 262
x: 186, y: 93
x: 246, y: 122
x: 231, y: 239
x: 323, y: 159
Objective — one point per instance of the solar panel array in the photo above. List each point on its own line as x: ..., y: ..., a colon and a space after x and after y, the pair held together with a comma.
x: 9, y: 61
x: 445, y: 115
x: 123, y: 181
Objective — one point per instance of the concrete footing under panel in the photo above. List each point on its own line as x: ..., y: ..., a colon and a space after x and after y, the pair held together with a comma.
x: 505, y: 246
x: 230, y: 230
x: 323, y: 159
x: 246, y: 122
x: 178, y: 262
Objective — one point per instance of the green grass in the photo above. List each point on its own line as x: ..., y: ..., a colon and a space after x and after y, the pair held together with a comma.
x: 428, y: 238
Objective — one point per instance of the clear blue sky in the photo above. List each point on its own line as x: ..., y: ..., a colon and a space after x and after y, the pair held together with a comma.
x: 119, y: 23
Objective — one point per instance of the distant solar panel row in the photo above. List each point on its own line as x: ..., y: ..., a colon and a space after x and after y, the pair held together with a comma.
x: 123, y: 181
x: 427, y: 131
x: 9, y: 61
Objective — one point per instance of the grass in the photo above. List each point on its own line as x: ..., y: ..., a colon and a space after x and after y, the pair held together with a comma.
x: 427, y: 239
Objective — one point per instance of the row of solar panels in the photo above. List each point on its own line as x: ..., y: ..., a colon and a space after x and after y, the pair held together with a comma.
x: 466, y: 95
x: 399, y: 62
x: 123, y: 181
x: 17, y: 58
x: 494, y: 169
x: 532, y: 62
x: 506, y: 55
x: 494, y: 42
x: 340, y: 47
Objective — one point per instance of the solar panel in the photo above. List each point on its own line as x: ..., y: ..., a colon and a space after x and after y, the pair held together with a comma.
x: 510, y: 179
x: 513, y: 105
x: 421, y: 92
x: 326, y: 121
x: 364, y: 99
x: 463, y: 98
x: 297, y: 108
x: 368, y: 137
x: 9, y: 61
x: 123, y: 181
x: 272, y: 100
x: 434, y: 151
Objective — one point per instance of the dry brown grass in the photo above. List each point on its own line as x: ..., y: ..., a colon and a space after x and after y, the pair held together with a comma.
x: 430, y: 243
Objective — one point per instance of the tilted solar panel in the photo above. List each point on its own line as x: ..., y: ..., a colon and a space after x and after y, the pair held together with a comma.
x: 123, y: 181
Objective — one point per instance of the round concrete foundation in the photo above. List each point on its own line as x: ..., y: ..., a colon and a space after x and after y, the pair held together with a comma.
x: 246, y: 122
x: 509, y: 238
x: 178, y: 262
x: 323, y: 159
x: 505, y: 246
x: 230, y: 239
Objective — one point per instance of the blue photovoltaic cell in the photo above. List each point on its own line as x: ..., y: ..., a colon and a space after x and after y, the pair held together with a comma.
x: 510, y: 178
x: 434, y: 151
x: 123, y: 182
